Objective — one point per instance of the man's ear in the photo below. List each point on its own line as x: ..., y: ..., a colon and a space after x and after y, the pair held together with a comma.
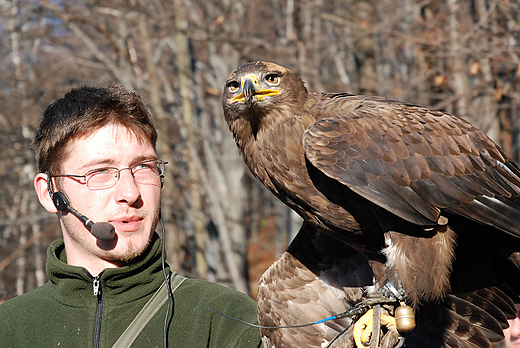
x: 40, y: 185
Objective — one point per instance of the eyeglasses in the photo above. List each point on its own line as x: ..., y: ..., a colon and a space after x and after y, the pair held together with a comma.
x: 103, y: 178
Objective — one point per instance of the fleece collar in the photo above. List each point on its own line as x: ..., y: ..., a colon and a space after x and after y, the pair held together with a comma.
x: 74, y: 285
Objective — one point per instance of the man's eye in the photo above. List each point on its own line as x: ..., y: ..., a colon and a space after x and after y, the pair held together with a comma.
x: 141, y: 166
x: 99, y: 171
x: 152, y: 165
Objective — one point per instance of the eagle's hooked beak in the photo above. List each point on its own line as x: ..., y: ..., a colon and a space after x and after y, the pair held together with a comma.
x: 249, y: 88
x: 251, y: 91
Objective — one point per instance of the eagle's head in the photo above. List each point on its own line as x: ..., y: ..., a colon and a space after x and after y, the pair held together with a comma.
x: 258, y: 93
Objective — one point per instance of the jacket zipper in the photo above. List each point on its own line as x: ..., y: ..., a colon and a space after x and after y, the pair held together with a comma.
x: 96, y: 286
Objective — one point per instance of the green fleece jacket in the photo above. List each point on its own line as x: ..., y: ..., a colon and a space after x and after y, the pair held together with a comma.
x: 66, y: 312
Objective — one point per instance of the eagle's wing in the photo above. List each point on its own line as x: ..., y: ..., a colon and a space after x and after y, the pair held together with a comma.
x: 414, y: 162
x: 315, y: 278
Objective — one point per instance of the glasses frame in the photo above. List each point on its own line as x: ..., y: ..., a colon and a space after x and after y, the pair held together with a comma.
x: 116, y: 175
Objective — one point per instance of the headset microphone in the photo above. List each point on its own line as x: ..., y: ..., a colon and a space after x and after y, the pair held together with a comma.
x: 100, y: 230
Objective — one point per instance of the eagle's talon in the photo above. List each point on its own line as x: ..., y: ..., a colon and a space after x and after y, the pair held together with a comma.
x: 363, y: 327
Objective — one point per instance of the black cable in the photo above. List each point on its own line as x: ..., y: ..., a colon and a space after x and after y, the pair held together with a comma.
x: 168, y: 284
x: 350, y: 313
x: 337, y: 337
x: 357, y: 310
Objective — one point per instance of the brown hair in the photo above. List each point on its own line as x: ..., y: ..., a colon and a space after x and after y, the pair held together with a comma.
x: 84, y: 110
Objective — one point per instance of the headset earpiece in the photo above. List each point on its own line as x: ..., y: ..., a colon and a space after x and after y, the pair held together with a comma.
x: 61, y: 202
x: 60, y: 199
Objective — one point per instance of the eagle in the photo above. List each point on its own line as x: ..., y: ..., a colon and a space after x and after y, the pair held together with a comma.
x: 403, y: 207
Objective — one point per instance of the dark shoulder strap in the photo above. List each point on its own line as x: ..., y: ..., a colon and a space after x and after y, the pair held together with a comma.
x: 148, y: 312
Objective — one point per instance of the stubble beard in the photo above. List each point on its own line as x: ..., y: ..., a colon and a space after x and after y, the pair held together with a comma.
x: 121, y: 257
x: 127, y: 255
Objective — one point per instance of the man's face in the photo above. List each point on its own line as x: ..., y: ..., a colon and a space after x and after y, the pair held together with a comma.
x: 131, y: 207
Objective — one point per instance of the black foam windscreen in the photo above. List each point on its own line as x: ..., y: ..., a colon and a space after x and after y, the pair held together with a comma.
x: 103, y: 230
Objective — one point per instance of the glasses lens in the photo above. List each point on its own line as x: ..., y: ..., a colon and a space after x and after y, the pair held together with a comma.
x: 102, y: 178
x: 148, y: 170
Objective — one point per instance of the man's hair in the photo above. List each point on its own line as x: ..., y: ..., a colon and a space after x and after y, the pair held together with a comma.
x: 84, y: 110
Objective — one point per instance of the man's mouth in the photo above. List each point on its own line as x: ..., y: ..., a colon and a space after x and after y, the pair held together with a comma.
x: 127, y: 224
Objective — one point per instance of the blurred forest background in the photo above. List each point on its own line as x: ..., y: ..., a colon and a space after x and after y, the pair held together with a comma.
x: 458, y: 56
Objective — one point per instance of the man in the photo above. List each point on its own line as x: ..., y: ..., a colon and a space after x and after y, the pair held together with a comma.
x: 95, y: 149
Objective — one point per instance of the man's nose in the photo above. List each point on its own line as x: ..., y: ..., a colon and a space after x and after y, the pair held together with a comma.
x: 515, y: 328
x: 127, y: 189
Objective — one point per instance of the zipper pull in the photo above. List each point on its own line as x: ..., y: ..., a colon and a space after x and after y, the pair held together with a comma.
x: 95, y: 285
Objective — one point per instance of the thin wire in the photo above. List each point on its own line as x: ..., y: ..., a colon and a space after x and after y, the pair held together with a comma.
x: 337, y: 337
x: 354, y: 311
x: 168, y: 285
x: 357, y: 310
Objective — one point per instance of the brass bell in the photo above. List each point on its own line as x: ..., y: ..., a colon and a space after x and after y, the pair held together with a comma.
x: 404, y: 318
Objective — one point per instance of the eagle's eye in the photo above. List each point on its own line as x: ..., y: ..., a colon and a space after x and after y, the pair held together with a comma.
x: 273, y: 79
x: 233, y: 86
